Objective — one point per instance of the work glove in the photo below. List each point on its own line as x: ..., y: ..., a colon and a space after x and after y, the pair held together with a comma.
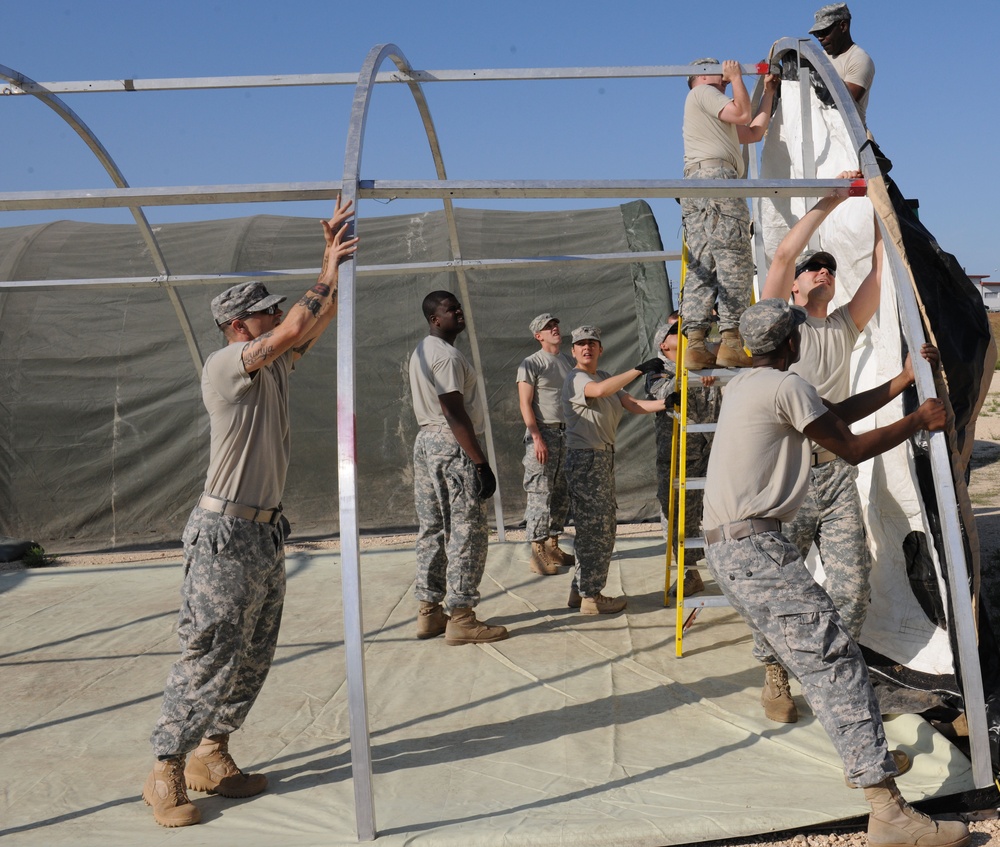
x: 651, y: 366
x: 486, y: 482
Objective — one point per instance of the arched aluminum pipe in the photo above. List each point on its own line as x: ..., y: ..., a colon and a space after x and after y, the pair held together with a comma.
x: 104, y: 157
x: 958, y: 575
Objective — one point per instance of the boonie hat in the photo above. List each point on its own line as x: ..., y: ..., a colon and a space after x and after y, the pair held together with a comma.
x: 822, y: 257
x: 829, y: 15
x: 768, y: 323
x: 538, y: 324
x: 241, y: 299
x: 586, y: 332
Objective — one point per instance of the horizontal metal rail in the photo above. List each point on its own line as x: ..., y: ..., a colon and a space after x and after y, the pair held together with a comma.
x: 309, y: 274
x: 386, y: 189
x: 106, y: 86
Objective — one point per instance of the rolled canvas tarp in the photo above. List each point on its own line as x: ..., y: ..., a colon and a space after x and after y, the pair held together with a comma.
x: 104, y: 440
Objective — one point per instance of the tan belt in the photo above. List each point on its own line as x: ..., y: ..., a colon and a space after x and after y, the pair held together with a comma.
x: 821, y: 457
x: 739, y: 530
x: 709, y: 163
x: 238, y: 510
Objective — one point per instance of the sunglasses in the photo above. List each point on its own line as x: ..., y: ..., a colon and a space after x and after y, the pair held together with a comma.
x: 813, y: 267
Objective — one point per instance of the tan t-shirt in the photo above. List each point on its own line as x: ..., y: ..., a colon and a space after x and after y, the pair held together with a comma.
x: 759, y: 465
x: 546, y: 373
x: 855, y: 65
x: 436, y: 368
x: 705, y: 136
x: 251, y: 439
x: 825, y: 357
x: 591, y: 422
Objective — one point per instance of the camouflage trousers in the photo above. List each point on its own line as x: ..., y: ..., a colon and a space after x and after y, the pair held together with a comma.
x: 231, y: 601
x: 720, y: 264
x: 453, y: 535
x: 830, y: 516
x: 591, y: 478
x: 548, y: 494
x: 766, y: 581
x: 699, y: 445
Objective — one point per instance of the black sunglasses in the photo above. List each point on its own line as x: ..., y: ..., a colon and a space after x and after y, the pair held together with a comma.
x: 270, y: 310
x: 812, y: 267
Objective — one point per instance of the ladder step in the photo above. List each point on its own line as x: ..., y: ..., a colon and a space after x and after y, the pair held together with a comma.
x: 691, y: 483
x: 706, y: 602
x: 700, y: 427
x: 694, y: 542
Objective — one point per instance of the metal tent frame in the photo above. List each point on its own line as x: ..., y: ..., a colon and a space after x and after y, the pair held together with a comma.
x: 352, y: 187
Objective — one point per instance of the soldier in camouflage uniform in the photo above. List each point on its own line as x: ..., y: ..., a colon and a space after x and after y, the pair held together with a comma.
x: 717, y: 230
x: 234, y: 577
x: 831, y: 515
x: 594, y: 402
x: 452, y: 480
x: 756, y: 481
x: 540, y: 379
x: 703, y: 404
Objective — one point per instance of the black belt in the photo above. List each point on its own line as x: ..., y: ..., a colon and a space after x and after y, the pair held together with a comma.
x: 552, y: 426
x: 739, y: 530
x: 238, y: 510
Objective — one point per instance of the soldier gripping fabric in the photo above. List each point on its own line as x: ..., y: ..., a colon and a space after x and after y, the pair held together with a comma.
x: 234, y: 578
x: 831, y: 514
x: 540, y: 379
x: 757, y: 477
x: 703, y: 403
x: 452, y: 480
x: 594, y: 402
x: 717, y: 230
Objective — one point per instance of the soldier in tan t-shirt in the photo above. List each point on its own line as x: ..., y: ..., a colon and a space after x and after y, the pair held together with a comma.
x: 757, y: 477
x: 831, y: 516
x: 717, y: 229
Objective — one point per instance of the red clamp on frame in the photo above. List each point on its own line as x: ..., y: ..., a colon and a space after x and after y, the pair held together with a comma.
x: 859, y: 188
x: 763, y: 68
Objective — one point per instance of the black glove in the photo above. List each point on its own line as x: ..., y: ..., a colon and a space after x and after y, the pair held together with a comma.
x: 651, y: 366
x: 486, y: 482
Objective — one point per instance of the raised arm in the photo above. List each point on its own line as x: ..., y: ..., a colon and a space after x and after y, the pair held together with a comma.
x: 755, y: 130
x: 781, y: 274
x: 865, y: 301
x: 738, y: 110
x: 311, y: 315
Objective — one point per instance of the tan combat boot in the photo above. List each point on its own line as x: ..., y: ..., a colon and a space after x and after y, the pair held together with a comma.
x: 431, y: 619
x: 693, y: 583
x: 540, y: 562
x: 210, y: 768
x: 575, y: 600
x: 164, y: 791
x: 463, y: 628
x: 731, y: 353
x: 601, y: 605
x: 776, y: 698
x: 697, y: 356
x: 560, y: 557
x: 894, y: 823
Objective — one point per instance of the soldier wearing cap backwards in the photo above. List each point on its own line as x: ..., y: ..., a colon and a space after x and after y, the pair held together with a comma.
x: 234, y: 577
x: 853, y: 65
x: 757, y: 477
x: 717, y: 229
x: 594, y: 402
x: 452, y: 480
x: 831, y: 515
x: 540, y: 379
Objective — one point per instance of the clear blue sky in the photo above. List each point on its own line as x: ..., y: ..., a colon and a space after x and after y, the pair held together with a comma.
x: 937, y: 124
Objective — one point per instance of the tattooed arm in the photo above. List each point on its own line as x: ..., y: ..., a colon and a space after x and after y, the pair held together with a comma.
x: 314, y: 311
